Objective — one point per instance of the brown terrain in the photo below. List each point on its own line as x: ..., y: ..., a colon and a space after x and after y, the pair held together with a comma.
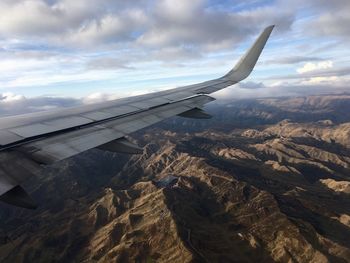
x: 265, y: 180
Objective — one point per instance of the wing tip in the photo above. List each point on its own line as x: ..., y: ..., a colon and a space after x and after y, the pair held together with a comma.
x: 269, y: 29
x: 247, y: 62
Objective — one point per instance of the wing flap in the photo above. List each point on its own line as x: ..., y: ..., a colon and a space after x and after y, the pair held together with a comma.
x: 15, y: 168
x: 66, y: 145
x: 18, y: 196
x: 63, y: 146
x: 7, y: 137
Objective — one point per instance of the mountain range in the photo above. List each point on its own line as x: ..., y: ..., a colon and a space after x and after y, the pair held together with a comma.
x: 264, y: 180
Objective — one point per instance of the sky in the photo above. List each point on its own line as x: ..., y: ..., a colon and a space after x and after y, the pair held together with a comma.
x: 58, y: 53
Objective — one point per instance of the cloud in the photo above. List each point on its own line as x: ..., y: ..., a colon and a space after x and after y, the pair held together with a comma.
x: 293, y: 60
x: 192, y: 23
x: 108, y: 29
x: 175, y: 54
x: 330, y: 85
x: 93, y: 43
x: 251, y: 85
x: 330, y: 25
x: 322, y: 80
x: 332, y: 20
x: 98, y: 97
x: 342, y: 72
x: 10, y: 97
x: 165, y: 23
x: 78, y: 23
x: 52, y: 42
x: 13, y: 104
x: 107, y: 63
x: 308, y: 67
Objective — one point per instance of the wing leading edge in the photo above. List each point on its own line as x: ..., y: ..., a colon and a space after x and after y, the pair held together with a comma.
x: 31, y: 140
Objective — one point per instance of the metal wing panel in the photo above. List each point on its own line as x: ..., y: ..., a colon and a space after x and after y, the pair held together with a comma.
x: 68, y: 122
x: 9, y: 137
x: 120, y: 110
x: 32, y: 130
x: 174, y: 96
x: 34, y: 124
x: 15, y: 168
x: 220, y: 84
x: 6, y: 182
x: 66, y: 145
x: 26, y: 126
x: 141, y: 120
x: 62, y: 146
x: 145, y: 104
x: 97, y: 115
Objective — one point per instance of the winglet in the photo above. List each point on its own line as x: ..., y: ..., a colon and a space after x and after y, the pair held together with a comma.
x: 246, y: 64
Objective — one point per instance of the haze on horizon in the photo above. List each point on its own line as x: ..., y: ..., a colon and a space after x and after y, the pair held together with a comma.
x: 61, y: 53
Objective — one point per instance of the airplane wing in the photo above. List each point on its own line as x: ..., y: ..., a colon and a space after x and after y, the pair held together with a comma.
x: 31, y: 140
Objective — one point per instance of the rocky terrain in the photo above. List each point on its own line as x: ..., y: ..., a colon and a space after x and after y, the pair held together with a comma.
x: 274, y: 187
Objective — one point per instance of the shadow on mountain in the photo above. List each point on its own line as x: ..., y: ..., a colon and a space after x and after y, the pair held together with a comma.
x: 205, y: 227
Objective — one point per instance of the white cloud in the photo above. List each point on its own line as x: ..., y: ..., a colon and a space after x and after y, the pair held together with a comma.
x: 13, y: 104
x: 332, y: 20
x: 251, y: 85
x: 332, y: 80
x: 179, y: 11
x: 309, y: 66
x: 287, y: 60
x: 99, y: 97
x: 191, y: 23
x: 10, y: 97
x: 165, y: 42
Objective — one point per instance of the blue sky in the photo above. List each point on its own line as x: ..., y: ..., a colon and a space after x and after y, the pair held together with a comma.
x: 93, y: 50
